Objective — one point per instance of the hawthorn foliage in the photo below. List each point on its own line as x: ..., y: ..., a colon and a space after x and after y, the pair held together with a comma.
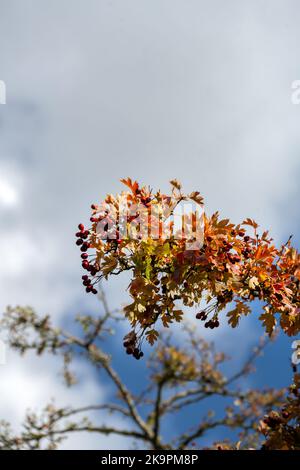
x: 234, y: 265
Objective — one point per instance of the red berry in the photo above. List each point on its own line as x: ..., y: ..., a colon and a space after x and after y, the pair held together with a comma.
x: 84, y: 256
x: 95, y: 291
x: 85, y: 277
x: 81, y: 227
x: 79, y: 242
x: 85, y: 264
x: 93, y: 207
x: 78, y: 234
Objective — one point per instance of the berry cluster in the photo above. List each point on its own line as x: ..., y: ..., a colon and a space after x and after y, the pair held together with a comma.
x: 131, y: 344
x: 93, y: 268
x: 213, y: 323
x: 213, y: 309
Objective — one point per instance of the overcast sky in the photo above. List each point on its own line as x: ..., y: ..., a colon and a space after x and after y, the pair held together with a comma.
x: 98, y: 90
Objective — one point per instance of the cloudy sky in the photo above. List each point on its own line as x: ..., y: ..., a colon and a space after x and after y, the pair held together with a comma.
x: 102, y: 89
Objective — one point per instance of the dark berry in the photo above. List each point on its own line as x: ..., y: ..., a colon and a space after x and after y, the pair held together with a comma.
x: 136, y: 353
x: 81, y: 227
x: 201, y: 315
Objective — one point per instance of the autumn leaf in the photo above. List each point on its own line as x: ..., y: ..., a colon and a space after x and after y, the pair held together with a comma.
x: 166, y: 320
x: 250, y: 222
x: 223, y: 223
x: 132, y: 185
x: 176, y: 184
x: 195, y: 196
x: 109, y: 265
x: 234, y: 315
x: 253, y: 282
x: 178, y: 314
x: 152, y: 336
x: 269, y: 321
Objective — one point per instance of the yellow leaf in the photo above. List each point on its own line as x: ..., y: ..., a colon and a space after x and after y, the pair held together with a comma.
x: 109, y: 265
x: 253, y: 282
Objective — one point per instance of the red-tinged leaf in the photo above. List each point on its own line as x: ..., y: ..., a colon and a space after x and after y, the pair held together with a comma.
x: 132, y: 185
x: 250, y: 222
